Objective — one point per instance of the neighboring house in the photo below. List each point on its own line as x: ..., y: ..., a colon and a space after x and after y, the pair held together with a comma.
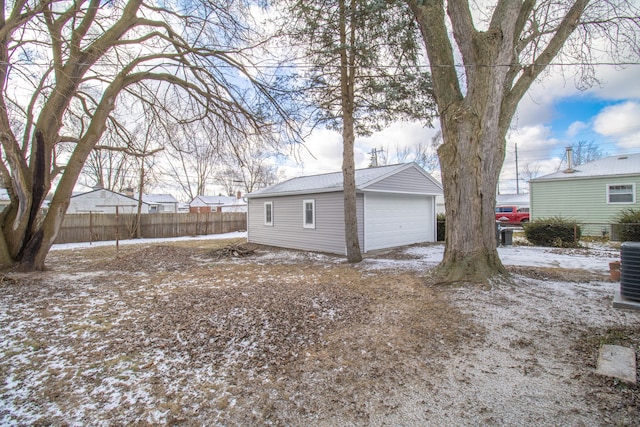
x: 519, y: 200
x: 4, y: 199
x: 160, y: 203
x: 593, y: 193
x: 204, y: 204
x: 395, y: 206
x: 104, y: 201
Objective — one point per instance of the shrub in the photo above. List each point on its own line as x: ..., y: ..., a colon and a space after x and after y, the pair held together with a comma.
x: 554, y: 232
x: 440, y: 226
x: 628, y: 227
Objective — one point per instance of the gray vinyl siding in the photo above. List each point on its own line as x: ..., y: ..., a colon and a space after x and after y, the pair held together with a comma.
x: 583, y: 200
x: 408, y: 181
x: 360, y: 213
x: 287, y: 230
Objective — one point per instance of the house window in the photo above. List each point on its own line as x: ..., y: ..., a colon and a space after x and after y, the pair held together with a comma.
x: 309, y: 214
x: 268, y: 213
x: 621, y: 193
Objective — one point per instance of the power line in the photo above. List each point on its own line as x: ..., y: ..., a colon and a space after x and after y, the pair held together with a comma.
x: 311, y: 66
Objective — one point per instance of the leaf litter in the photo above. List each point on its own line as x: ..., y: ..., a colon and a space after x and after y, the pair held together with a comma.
x: 189, y: 334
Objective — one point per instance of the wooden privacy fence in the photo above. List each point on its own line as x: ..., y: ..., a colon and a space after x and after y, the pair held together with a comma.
x: 93, y: 227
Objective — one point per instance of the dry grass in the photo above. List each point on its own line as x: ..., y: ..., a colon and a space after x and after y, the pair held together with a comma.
x: 172, y: 334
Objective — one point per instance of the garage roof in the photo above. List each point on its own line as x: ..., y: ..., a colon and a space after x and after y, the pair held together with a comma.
x: 333, y: 181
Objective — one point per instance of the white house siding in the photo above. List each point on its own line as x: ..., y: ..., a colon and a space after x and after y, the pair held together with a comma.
x: 398, y: 219
x: 410, y: 181
x: 234, y: 208
x: 103, y: 201
x: 287, y: 230
x: 583, y: 200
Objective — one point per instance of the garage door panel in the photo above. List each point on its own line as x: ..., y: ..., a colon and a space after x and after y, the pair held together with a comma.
x: 397, y: 220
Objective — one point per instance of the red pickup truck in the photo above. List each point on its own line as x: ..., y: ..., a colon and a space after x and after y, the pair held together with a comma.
x: 512, y: 214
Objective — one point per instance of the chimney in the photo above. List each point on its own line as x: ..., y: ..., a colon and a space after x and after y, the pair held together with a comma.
x: 569, y: 168
x: 128, y: 192
x: 239, y: 195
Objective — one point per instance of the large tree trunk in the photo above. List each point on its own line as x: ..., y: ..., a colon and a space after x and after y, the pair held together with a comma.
x: 475, y: 120
x: 40, y: 233
x: 470, y: 169
x: 347, y: 80
x: 34, y: 253
x: 354, y: 254
x: 474, y: 126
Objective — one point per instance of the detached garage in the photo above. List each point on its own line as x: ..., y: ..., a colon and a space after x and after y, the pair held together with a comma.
x: 395, y: 206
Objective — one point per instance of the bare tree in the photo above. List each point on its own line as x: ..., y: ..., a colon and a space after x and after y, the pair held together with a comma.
x: 498, y: 64
x: 145, y: 144
x: 424, y: 154
x: 106, y: 169
x: 67, y: 68
x: 585, y: 152
x: 529, y: 172
x: 193, y: 158
x: 108, y: 165
x: 248, y: 164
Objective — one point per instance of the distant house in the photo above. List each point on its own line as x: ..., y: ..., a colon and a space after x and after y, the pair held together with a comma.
x: 4, y: 199
x: 104, y: 201
x: 593, y: 193
x: 396, y: 206
x: 204, y: 204
x: 160, y: 203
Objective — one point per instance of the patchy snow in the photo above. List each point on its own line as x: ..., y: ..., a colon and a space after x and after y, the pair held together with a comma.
x: 109, y: 347
x: 595, y: 259
x: 84, y: 245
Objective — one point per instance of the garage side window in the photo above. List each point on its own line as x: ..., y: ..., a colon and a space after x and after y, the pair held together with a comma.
x: 268, y: 213
x: 309, y: 214
x: 621, y: 193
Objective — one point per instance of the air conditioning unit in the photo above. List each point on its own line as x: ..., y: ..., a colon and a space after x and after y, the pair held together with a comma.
x: 630, y: 270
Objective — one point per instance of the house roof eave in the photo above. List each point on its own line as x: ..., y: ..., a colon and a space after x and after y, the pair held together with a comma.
x: 295, y: 193
x: 584, y: 177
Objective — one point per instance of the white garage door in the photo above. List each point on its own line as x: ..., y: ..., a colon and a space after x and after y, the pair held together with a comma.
x: 397, y: 219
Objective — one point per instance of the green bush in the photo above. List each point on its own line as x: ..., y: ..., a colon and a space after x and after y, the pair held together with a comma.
x: 554, y: 232
x: 440, y: 226
x: 628, y: 227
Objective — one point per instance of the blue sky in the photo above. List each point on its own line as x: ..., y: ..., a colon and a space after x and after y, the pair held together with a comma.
x: 575, y: 109
x: 552, y: 115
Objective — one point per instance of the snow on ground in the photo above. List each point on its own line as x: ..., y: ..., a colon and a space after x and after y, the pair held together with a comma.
x: 521, y: 368
x: 593, y: 257
x: 596, y: 260
x: 85, y: 245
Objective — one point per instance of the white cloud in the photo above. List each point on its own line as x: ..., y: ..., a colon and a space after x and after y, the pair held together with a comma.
x: 533, y: 141
x: 618, y: 120
x: 617, y: 84
x: 537, y: 150
x: 575, y: 128
x: 537, y: 106
x: 620, y: 123
x: 322, y: 152
x: 396, y: 137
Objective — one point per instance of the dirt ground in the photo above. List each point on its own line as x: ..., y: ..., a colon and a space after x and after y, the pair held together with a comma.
x: 177, y: 334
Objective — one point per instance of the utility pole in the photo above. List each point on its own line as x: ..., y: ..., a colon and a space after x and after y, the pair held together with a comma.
x: 517, y: 174
x: 374, y: 157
